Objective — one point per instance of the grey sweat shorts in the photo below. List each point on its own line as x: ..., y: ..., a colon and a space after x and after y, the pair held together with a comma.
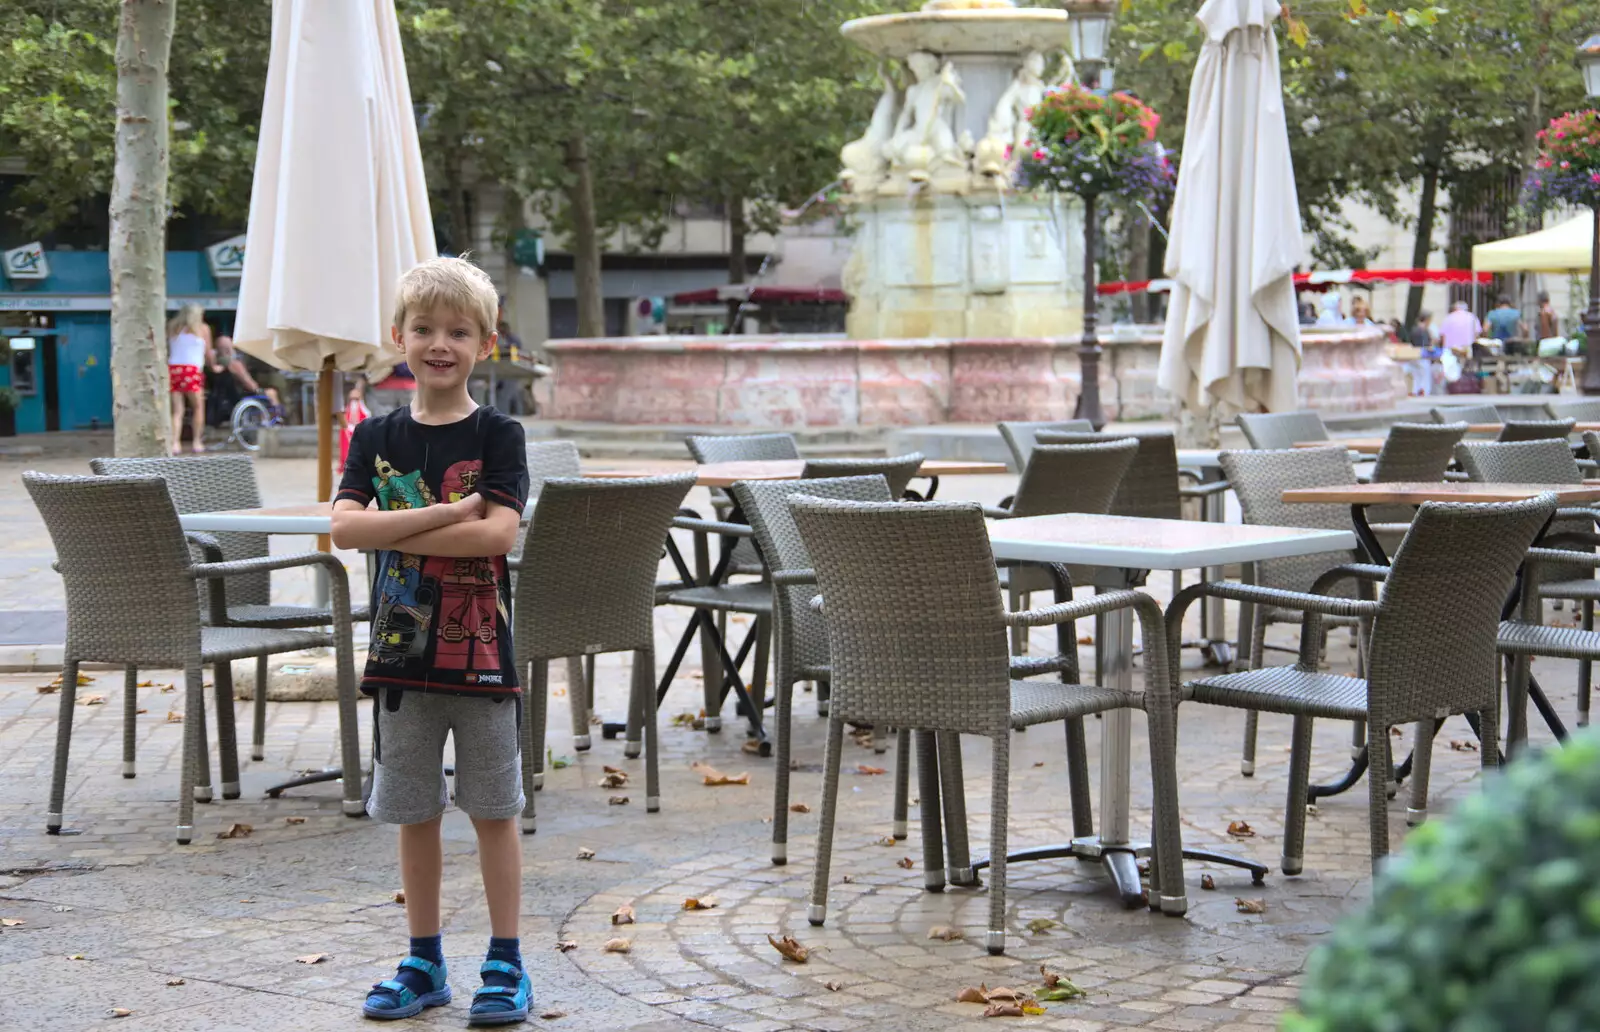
x: 409, y: 730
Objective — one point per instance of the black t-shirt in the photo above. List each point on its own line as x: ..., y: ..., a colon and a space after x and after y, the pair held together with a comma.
x: 439, y: 624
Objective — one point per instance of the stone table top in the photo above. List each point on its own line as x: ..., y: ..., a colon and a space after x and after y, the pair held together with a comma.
x: 1451, y: 491
x: 1139, y: 543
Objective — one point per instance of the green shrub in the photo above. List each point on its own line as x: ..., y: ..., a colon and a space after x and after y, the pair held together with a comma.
x: 1489, y: 921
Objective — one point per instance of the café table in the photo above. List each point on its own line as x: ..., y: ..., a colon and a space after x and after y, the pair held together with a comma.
x: 726, y: 474
x: 1133, y: 545
x: 1360, y: 496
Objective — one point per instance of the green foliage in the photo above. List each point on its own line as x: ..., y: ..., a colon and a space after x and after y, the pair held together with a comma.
x: 1489, y: 921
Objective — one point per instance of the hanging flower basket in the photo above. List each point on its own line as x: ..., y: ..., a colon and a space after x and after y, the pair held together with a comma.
x: 1567, y: 170
x: 1091, y: 145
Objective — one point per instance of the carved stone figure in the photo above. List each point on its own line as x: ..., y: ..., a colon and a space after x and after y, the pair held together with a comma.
x: 864, y: 160
x: 923, y: 137
x: 1008, y: 125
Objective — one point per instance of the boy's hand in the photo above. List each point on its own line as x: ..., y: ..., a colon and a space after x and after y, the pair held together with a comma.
x: 470, y: 508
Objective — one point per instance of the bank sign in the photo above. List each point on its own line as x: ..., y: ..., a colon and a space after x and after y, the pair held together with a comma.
x: 27, y: 262
x: 227, y: 258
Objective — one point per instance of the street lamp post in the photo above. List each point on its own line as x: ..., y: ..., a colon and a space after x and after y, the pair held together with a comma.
x: 1090, y: 29
x: 1589, y: 63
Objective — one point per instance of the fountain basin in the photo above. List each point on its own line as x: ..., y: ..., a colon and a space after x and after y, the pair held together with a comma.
x: 798, y: 381
x: 1002, y: 30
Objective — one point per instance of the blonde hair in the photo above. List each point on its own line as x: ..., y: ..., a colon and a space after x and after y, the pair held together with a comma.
x: 450, y: 283
x: 191, y: 317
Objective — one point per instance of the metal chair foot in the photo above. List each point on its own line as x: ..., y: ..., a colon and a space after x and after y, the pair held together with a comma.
x: 816, y: 915
x: 1415, y: 817
x: 1293, y: 864
x: 258, y: 754
x: 185, y: 834
x: 202, y: 794
x: 1247, y: 768
x: 580, y: 743
x: 538, y: 782
x: 530, y: 825
x: 354, y: 808
x: 230, y: 790
x: 713, y: 724
x: 780, y: 854
x: 995, y: 940
x: 632, y: 750
x: 1174, y: 906
x: 652, y: 804
x: 900, y: 831
x: 52, y: 824
x: 128, y: 771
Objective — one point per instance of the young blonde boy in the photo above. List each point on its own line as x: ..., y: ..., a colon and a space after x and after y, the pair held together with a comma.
x: 449, y: 479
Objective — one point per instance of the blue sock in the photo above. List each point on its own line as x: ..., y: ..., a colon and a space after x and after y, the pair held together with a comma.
x: 429, y: 948
x: 509, y: 951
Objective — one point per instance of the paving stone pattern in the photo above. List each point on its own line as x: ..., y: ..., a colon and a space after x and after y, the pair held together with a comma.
x: 227, y: 918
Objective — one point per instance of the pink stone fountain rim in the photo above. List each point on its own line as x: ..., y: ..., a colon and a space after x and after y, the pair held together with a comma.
x: 992, y: 30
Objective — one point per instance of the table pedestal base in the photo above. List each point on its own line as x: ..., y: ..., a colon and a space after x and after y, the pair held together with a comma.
x: 1121, y: 862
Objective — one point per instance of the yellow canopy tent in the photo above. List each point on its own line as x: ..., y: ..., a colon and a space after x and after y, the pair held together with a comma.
x: 1561, y: 248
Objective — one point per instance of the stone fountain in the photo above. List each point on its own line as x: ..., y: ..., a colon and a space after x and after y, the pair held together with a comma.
x: 945, y: 245
x: 965, y: 292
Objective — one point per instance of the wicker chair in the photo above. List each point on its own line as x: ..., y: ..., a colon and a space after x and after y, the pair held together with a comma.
x: 897, y: 470
x: 1021, y: 437
x: 588, y: 586
x: 213, y: 483
x: 1413, y: 453
x: 1432, y: 651
x: 1536, y: 429
x: 1586, y: 410
x: 917, y: 636
x: 1271, y: 431
x: 1465, y: 414
x: 1260, y: 478
x: 130, y: 586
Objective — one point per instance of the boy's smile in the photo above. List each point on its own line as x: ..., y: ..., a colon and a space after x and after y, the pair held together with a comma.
x: 441, y: 347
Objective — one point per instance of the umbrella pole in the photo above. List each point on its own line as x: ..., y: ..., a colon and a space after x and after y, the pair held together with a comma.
x: 325, y: 441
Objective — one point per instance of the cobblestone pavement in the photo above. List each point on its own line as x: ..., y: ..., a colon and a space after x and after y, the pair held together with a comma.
x: 210, y: 936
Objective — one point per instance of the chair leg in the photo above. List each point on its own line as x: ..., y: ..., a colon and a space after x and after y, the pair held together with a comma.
x: 763, y: 656
x: 928, y: 780
x: 1252, y: 719
x: 354, y: 780
x: 533, y: 742
x: 58, y: 777
x: 195, y: 763
x: 902, y: 783
x: 711, y: 678
x: 1489, y: 734
x: 1358, y: 738
x: 1294, y: 818
x: 1379, y: 774
x: 783, y: 713
x: 588, y: 688
x: 1019, y: 635
x: 824, y: 691
x: 818, y: 911
x: 644, y: 689
x: 1517, y: 674
x: 953, y: 792
x: 1078, y: 780
x: 258, y: 701
x: 1168, y: 893
x: 999, y: 804
x: 1585, y: 669
x: 1421, y: 763
x: 227, y: 731
x: 577, y: 695
x: 130, y: 719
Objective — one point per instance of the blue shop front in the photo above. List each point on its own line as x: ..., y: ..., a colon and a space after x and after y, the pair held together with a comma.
x: 55, y: 332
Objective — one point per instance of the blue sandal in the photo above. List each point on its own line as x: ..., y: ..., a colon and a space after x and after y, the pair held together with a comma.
x: 389, y: 999
x: 498, y: 1004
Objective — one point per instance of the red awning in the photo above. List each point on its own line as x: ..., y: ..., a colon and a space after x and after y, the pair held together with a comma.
x: 1322, y: 279
x: 760, y: 295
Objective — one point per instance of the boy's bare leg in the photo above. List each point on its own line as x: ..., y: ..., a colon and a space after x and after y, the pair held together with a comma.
x: 421, y: 871
x: 500, y: 861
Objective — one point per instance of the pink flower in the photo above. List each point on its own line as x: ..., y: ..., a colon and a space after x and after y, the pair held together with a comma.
x: 1594, y: 177
x: 1038, y: 155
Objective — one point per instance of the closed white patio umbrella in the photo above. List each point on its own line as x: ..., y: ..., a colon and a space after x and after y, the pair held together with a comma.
x: 339, y: 208
x: 1232, y: 338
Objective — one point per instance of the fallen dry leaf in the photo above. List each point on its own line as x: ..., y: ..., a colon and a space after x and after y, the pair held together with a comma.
x: 618, y: 945
x: 862, y: 768
x: 552, y: 1015
x: 118, y: 1012
x: 1207, y: 882
x: 1250, y: 906
x: 608, y: 769
x: 48, y: 689
x: 944, y: 933
x: 905, y: 862
x: 312, y: 958
x: 247, y: 901
x: 1087, y: 639
x: 617, y: 800
x: 294, y: 820
x: 1039, y: 764
x: 683, y: 720
x: 565, y: 945
x: 174, y: 717
x: 1003, y: 994
x: 1239, y: 829
x: 1003, y: 1009
x: 400, y: 896
x: 887, y: 840
x: 92, y: 700
x: 145, y: 684
x: 799, y: 808
x: 141, y: 710
x: 1463, y: 746
x: 236, y: 831
x: 751, y: 747
x: 623, y: 916
x: 847, y: 879
x: 11, y: 922
x: 168, y: 689
x: 790, y: 949
x: 1040, y: 925
x: 703, y: 903
x: 614, y: 779
x: 832, y: 987
x: 173, y: 982
x: 585, y: 853
x: 76, y: 956
x: 1396, y: 732
x: 973, y: 994
x: 713, y: 777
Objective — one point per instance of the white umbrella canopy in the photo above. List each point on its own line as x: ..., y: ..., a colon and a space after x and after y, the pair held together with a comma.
x: 339, y: 208
x: 1232, y: 336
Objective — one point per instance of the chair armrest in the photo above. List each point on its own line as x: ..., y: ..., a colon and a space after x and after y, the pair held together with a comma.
x: 1216, y: 487
x: 1354, y: 571
x: 216, y: 593
x: 996, y: 512
x: 1588, y: 464
x: 1306, y: 602
x: 1061, y: 612
x: 784, y: 578
x: 1540, y: 556
x: 338, y: 581
x: 1577, y: 512
x: 713, y: 527
x: 210, y: 547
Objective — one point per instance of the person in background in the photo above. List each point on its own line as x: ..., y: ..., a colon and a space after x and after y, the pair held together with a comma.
x: 1459, y: 329
x: 1505, y: 322
x: 1421, y: 368
x: 188, y: 350
x: 1549, y: 321
x: 355, y: 410
x: 1361, y: 313
x: 1308, y: 313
